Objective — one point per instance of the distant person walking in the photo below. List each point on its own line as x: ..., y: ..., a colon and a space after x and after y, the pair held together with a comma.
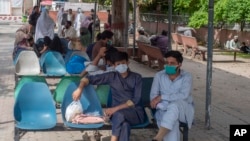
x: 61, y: 20
x: 33, y: 19
x: 109, y: 18
x: 79, y: 18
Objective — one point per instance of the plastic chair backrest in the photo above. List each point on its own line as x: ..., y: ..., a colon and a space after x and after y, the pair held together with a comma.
x: 75, y: 65
x: 53, y: 64
x: 89, y: 103
x: 81, y: 53
x: 146, y: 88
x: 27, y: 63
x: 27, y: 79
x: 62, y: 87
x: 34, y: 107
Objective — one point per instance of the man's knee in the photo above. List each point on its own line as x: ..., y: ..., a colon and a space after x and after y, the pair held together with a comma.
x: 118, y: 115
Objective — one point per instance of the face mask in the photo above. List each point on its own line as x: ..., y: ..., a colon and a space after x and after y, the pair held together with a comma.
x: 170, y: 69
x: 109, y: 42
x: 121, y: 68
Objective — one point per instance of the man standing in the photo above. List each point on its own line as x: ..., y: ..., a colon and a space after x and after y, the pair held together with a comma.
x: 109, y: 18
x: 70, y: 16
x: 171, y: 97
x: 33, y: 19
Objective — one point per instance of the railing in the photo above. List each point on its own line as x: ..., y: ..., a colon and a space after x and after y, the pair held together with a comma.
x: 153, y: 17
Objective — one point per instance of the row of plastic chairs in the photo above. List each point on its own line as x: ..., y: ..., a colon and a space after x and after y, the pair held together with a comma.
x: 33, y: 97
x: 51, y: 63
x: 34, y: 107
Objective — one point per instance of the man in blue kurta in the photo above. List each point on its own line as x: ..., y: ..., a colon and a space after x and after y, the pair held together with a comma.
x: 126, y: 88
x: 171, y: 96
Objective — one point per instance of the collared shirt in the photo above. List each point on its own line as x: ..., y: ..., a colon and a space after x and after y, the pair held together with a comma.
x: 178, y: 89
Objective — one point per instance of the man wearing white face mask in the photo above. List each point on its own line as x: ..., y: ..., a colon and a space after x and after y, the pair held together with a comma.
x: 171, y: 96
x: 125, y: 87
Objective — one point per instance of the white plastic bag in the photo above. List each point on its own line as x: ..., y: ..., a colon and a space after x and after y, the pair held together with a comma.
x: 73, y: 109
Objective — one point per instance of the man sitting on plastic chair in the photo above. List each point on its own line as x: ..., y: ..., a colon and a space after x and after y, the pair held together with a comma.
x: 171, y: 96
x: 126, y: 88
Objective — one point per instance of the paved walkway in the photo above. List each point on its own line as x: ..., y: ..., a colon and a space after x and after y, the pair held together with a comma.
x: 230, y: 100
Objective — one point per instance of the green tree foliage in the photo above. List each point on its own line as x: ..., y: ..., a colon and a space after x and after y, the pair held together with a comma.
x: 225, y: 11
x: 238, y: 12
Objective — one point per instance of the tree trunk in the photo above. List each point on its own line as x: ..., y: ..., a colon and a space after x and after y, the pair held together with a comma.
x: 138, y: 21
x: 119, y: 22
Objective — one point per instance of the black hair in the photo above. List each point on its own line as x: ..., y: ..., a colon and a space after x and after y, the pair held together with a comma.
x: 109, y: 53
x: 46, y: 41
x: 98, y: 36
x: 69, y: 22
x: 107, y: 34
x: 164, y: 32
x: 119, y: 56
x: 35, y: 7
x: 30, y: 39
x: 141, y: 32
x: 175, y: 54
x: 56, y: 45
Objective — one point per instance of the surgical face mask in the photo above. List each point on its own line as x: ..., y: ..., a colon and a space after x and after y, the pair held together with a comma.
x: 109, y: 42
x: 121, y: 68
x: 170, y: 70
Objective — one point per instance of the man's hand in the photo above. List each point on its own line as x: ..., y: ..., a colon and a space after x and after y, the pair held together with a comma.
x: 155, y: 101
x: 77, y: 94
x: 110, y: 111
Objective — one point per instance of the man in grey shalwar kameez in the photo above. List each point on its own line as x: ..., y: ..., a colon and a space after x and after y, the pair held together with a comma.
x: 171, y: 96
x: 126, y: 88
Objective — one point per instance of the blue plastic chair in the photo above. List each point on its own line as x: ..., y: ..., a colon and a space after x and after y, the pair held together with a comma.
x: 27, y: 79
x: 89, y: 101
x: 75, y: 65
x: 34, y: 108
x: 52, y: 64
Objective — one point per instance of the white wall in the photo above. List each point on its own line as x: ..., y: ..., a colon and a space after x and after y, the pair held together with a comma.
x: 16, y: 11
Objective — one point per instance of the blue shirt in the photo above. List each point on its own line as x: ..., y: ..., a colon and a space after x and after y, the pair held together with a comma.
x: 170, y: 91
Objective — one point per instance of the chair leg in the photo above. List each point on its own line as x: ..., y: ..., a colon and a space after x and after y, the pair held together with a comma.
x: 185, y: 133
x: 16, y: 134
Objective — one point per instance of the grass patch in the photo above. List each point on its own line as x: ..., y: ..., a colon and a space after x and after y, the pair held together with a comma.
x: 238, y: 54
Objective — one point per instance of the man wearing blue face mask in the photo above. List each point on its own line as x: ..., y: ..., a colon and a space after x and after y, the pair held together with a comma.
x: 106, y: 41
x: 126, y: 109
x: 171, y: 97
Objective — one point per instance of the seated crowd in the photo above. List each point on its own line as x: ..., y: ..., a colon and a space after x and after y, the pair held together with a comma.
x: 170, y: 92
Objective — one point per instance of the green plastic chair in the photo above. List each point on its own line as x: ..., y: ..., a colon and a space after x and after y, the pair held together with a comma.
x: 26, y: 79
x: 102, y: 92
x: 62, y: 86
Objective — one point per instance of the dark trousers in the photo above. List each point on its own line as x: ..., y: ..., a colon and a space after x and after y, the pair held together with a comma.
x: 122, y: 121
